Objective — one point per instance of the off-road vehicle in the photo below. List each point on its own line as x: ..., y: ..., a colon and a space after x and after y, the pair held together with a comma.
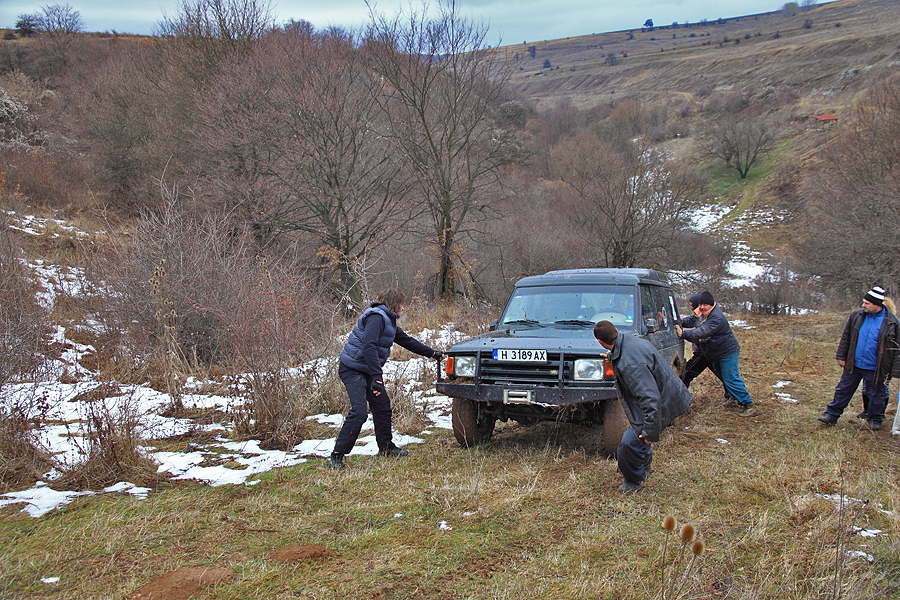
x: 540, y: 360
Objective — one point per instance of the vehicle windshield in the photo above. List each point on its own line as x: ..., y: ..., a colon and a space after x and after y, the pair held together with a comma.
x: 581, y: 304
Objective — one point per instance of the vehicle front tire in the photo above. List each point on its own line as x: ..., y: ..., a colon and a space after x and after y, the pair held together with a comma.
x: 471, y: 426
x: 614, y: 425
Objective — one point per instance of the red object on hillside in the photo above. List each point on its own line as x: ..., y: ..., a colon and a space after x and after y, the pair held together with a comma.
x: 824, y: 122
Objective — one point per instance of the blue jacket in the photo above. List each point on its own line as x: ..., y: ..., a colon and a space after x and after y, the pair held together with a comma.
x: 651, y: 392
x: 714, y: 334
x: 369, y: 345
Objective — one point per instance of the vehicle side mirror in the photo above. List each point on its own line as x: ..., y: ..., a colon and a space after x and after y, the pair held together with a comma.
x: 652, y: 325
x: 494, y: 325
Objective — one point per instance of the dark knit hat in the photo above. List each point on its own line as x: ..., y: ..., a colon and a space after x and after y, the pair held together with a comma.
x: 695, y: 300
x: 875, y: 295
x: 706, y: 298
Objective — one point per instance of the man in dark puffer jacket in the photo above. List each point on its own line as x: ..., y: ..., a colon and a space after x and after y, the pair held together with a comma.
x: 363, y: 356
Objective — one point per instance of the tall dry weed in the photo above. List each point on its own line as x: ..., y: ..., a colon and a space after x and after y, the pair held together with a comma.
x: 23, y: 456
x: 111, y: 432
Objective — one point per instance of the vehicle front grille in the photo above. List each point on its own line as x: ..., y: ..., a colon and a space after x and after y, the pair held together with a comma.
x: 548, y: 373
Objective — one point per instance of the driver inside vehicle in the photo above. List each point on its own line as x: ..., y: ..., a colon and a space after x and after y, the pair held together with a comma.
x: 619, y: 310
x: 624, y: 303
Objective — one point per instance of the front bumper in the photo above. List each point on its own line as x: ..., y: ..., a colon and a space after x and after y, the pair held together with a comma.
x: 531, y: 395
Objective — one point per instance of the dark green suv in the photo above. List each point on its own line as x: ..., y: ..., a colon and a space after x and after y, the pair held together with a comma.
x: 540, y: 360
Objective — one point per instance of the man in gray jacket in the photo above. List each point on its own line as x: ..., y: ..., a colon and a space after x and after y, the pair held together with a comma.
x: 652, y: 395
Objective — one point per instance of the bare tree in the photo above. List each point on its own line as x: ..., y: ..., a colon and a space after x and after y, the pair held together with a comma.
x: 630, y: 205
x: 442, y: 86
x: 853, y: 198
x: 296, y: 144
x: 60, y: 20
x: 215, y: 29
x: 739, y: 140
x: 790, y: 9
x: 28, y: 24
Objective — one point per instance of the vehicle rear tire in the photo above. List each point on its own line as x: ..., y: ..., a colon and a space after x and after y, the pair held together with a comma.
x: 471, y: 426
x: 614, y: 425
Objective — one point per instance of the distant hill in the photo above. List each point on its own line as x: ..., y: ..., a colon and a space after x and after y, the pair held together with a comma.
x: 825, y: 56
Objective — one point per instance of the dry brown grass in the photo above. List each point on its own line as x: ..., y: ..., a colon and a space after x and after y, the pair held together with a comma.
x: 533, y: 514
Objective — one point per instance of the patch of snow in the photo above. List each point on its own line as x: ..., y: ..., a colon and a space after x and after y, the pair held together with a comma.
x: 860, y: 554
x: 868, y: 533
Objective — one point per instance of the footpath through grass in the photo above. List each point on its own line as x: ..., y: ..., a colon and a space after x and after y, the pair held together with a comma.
x: 533, y: 514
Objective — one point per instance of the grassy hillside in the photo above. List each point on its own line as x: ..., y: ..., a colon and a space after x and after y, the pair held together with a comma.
x: 825, y: 56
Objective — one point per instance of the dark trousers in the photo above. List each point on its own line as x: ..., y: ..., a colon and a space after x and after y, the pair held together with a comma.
x: 633, y: 454
x: 358, y: 385
x: 696, y: 364
x: 848, y: 385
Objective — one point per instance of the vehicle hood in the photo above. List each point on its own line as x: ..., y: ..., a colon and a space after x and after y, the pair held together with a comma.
x: 566, y: 339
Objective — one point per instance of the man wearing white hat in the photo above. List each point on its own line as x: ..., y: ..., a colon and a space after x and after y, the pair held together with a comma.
x: 867, y: 352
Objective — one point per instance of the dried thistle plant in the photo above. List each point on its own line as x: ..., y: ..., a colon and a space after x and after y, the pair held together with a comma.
x: 687, y: 535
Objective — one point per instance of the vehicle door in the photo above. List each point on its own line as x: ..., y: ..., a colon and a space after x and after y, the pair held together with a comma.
x: 658, y: 320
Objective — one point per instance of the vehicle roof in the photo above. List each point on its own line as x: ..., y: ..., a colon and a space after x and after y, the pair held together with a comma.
x: 607, y: 275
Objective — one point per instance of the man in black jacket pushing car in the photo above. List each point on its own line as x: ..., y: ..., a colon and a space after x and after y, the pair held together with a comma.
x: 652, y: 395
x: 363, y: 356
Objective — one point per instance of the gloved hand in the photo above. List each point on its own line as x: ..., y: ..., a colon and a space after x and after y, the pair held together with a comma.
x: 378, y: 388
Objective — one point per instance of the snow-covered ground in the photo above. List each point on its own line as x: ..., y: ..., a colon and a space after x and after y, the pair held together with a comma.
x: 63, y: 432
x: 63, y: 429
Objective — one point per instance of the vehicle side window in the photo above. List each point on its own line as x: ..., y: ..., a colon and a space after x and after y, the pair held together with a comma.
x: 648, y: 304
x: 663, y: 312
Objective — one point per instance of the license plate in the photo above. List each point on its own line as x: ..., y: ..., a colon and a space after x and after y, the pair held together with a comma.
x: 510, y: 355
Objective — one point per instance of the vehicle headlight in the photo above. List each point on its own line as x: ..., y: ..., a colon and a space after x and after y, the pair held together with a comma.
x: 589, y: 369
x: 463, y: 366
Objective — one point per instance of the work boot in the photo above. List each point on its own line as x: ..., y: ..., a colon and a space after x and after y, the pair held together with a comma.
x: 393, y: 451
x: 336, y: 461
x: 828, y: 419
x: 749, y: 411
x: 862, y: 415
x: 629, y: 487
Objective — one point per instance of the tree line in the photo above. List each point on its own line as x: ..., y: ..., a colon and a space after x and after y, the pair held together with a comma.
x: 396, y: 154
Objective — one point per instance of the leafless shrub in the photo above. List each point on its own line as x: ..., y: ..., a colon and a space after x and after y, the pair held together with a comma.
x: 273, y: 321
x: 24, y: 324
x: 111, y: 446
x: 187, y: 291
x: 778, y: 291
x: 23, y: 457
x: 628, y: 203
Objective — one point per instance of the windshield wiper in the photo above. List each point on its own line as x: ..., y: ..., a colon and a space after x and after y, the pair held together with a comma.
x: 574, y: 322
x: 530, y: 322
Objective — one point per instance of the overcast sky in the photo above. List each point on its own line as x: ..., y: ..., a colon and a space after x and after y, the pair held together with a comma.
x: 513, y: 21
